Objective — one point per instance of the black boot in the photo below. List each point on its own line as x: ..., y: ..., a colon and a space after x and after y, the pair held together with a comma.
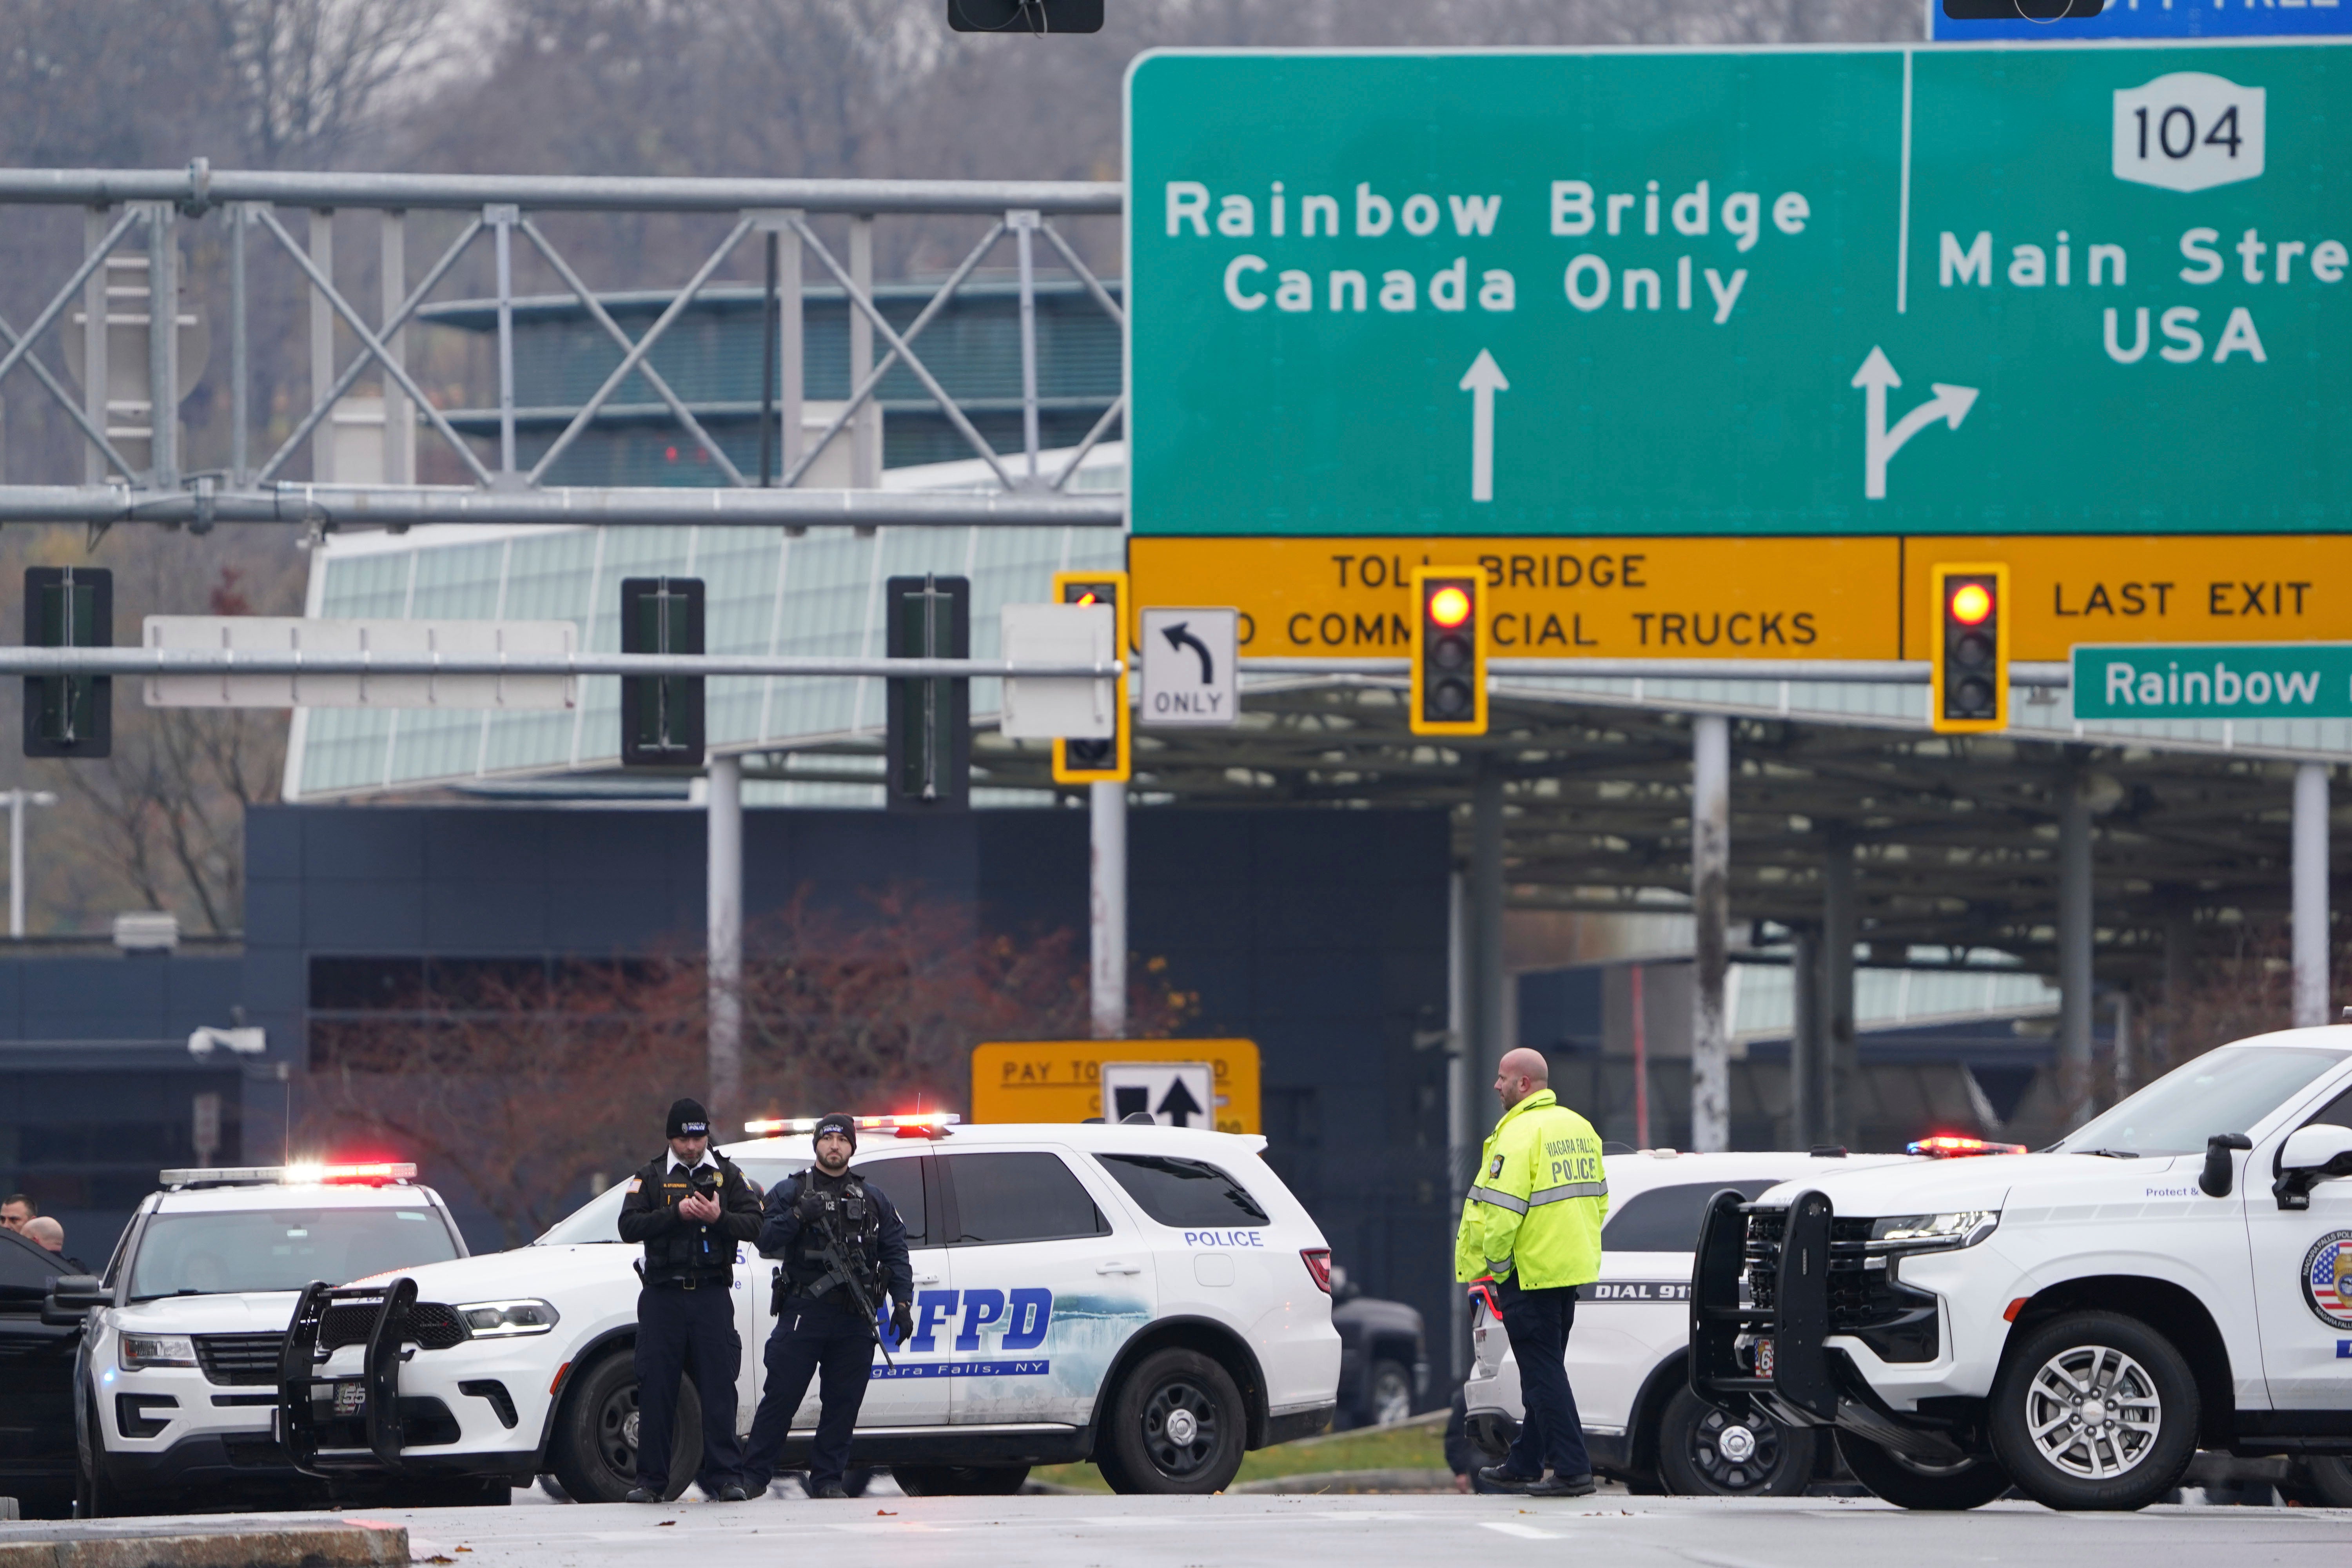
x: 1500, y: 1478
x: 1558, y: 1485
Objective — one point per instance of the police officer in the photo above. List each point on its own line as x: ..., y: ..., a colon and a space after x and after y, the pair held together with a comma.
x: 690, y: 1207
x: 1532, y: 1222
x: 820, y: 1322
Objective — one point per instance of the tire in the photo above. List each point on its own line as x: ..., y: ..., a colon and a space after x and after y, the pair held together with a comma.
x: 959, y: 1480
x: 1177, y: 1424
x: 1911, y: 1483
x: 594, y: 1450
x: 94, y: 1494
x: 1391, y: 1398
x: 2329, y: 1478
x: 1704, y: 1451
x: 553, y: 1488
x: 2124, y: 1403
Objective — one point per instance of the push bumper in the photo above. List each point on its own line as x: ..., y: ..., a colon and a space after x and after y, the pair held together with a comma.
x: 1775, y: 1352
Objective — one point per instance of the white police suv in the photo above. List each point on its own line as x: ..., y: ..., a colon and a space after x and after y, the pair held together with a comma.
x: 1150, y: 1298
x: 2175, y: 1275
x: 1627, y: 1358
x: 178, y: 1368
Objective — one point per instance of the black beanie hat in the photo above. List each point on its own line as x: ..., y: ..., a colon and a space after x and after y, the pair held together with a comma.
x: 688, y: 1119
x: 839, y: 1121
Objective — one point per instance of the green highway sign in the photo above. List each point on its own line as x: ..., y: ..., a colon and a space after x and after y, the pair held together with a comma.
x: 2214, y: 680
x: 2063, y: 289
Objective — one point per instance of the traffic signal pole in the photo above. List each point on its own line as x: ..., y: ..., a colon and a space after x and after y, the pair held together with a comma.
x: 1107, y: 908
x: 2074, y: 928
x: 1710, y: 819
x: 723, y: 800
x: 2311, y: 895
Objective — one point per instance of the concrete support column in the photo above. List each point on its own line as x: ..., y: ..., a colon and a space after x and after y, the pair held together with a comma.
x: 1840, y: 1086
x: 1107, y: 909
x: 1486, y: 925
x: 1807, y: 1070
x: 1710, y: 818
x: 2075, y: 925
x: 2310, y: 895
x: 725, y: 939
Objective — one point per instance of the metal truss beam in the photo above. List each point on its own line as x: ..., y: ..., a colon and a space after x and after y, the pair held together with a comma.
x: 149, y: 661
x: 199, y: 187
x: 322, y: 507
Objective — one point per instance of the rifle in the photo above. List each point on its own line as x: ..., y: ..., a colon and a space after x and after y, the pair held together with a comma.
x: 828, y: 1251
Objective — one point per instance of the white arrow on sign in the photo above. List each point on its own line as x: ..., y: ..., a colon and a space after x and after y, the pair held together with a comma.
x: 1484, y: 379
x: 1950, y: 404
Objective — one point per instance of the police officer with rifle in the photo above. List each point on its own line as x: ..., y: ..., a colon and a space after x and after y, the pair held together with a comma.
x: 689, y: 1207
x: 842, y: 1248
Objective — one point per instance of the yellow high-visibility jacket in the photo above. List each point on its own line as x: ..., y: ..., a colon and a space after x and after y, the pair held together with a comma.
x: 1535, y: 1207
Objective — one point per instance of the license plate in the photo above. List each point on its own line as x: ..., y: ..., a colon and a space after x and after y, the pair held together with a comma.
x: 1763, y: 1358
x: 351, y: 1398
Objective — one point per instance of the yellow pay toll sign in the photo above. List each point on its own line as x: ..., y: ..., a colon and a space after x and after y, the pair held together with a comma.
x: 1061, y: 1080
x: 1562, y: 598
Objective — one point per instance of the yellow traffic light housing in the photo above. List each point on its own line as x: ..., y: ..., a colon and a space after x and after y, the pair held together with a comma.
x: 1449, y: 652
x: 1110, y: 759
x: 1969, y: 649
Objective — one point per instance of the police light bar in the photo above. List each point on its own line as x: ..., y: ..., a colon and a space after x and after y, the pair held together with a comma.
x: 928, y: 1124
x: 288, y: 1176
x: 1943, y: 1147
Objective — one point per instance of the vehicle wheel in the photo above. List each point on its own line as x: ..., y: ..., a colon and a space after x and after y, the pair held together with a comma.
x: 2096, y: 1410
x: 1907, y: 1482
x: 1704, y: 1451
x: 2328, y: 1477
x: 1177, y: 1424
x: 959, y: 1480
x: 95, y: 1495
x: 1392, y: 1399
x: 594, y: 1450
x: 553, y: 1489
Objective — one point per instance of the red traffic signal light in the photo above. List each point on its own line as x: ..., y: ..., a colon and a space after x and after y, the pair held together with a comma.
x: 1449, y: 656
x: 1968, y: 659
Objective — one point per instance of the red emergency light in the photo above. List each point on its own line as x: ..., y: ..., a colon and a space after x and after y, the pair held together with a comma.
x: 1944, y: 1146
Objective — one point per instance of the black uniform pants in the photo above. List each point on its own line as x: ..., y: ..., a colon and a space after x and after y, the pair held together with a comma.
x: 689, y: 1333
x: 1538, y: 1322
x: 812, y: 1336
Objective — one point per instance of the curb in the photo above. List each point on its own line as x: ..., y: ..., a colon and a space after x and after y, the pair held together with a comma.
x: 92, y: 1544
x: 1345, y: 1481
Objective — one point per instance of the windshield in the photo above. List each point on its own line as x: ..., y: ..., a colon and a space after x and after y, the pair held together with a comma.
x: 599, y: 1219
x: 281, y: 1250
x: 2226, y: 1090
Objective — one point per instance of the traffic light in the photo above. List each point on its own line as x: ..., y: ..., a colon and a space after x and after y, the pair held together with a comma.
x: 1449, y: 652
x: 1968, y: 689
x: 68, y: 715
x: 1105, y: 760
x: 661, y: 715
x: 1038, y: 17
x: 929, y: 745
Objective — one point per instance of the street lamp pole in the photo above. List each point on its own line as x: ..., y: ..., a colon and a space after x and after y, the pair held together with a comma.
x: 18, y: 800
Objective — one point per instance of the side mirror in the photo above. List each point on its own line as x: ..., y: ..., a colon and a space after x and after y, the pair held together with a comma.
x: 2220, y: 1172
x: 2311, y: 1155
x: 71, y: 1297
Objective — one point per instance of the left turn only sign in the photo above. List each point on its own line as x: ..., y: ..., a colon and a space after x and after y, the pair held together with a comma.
x: 1190, y: 679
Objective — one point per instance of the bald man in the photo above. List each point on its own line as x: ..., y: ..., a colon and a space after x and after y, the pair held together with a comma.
x: 1531, y: 1223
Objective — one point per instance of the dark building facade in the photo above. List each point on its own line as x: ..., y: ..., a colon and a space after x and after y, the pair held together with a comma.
x: 1321, y: 935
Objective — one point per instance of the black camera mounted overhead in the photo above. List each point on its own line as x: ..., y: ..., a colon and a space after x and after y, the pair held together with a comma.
x: 2023, y: 10
x: 1037, y: 16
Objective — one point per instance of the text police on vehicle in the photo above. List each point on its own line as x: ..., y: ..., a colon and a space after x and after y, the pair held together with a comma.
x: 2076, y: 1322
x: 1153, y: 1299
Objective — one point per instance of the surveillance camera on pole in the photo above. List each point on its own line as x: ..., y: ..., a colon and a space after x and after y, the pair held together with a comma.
x: 1039, y: 18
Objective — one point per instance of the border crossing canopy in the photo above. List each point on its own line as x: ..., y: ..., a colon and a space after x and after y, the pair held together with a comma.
x: 1891, y: 291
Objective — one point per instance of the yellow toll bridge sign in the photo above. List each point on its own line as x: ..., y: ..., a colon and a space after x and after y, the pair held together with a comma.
x: 1061, y: 1080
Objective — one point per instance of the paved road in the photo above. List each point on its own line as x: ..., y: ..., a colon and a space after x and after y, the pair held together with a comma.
x: 1356, y: 1531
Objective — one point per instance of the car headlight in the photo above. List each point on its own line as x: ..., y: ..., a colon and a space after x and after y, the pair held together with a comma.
x: 506, y: 1320
x: 1931, y: 1231
x: 140, y: 1351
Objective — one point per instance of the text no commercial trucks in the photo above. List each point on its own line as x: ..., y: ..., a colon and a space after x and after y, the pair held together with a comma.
x: 2175, y: 1275
x: 1153, y: 1299
x: 177, y: 1371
